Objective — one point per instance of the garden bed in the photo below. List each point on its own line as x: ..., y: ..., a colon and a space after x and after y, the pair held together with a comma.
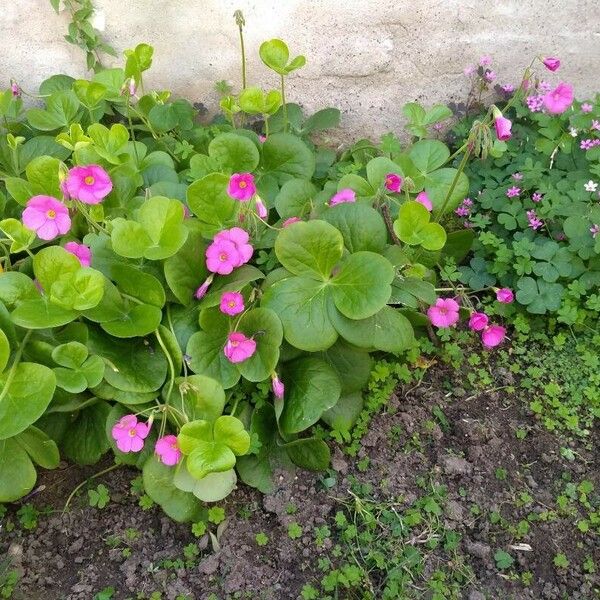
x: 503, y: 478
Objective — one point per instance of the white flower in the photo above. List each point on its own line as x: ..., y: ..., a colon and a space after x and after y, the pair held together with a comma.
x: 590, y: 186
x: 573, y: 131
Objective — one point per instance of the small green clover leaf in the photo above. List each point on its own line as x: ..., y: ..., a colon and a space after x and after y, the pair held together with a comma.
x: 212, y: 448
x: 254, y: 101
x: 413, y: 227
x: 538, y: 295
x: 77, y: 371
x: 275, y: 54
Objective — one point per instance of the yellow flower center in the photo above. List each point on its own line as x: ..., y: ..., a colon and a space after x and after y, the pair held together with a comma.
x: 89, y: 180
x: 243, y: 184
x: 51, y: 214
x: 231, y: 303
x: 235, y: 344
x: 222, y: 257
x: 132, y: 433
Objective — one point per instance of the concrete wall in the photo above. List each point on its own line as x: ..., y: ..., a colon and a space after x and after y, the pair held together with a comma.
x: 367, y: 57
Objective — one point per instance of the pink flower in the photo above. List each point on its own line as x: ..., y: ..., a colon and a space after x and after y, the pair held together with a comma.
x: 47, y: 216
x: 89, y: 184
x: 345, y: 195
x: 240, y: 238
x: 229, y: 250
x: 534, y: 222
x: 470, y: 70
x: 503, y: 126
x: 595, y: 230
x: 241, y: 186
x: 291, y: 221
x: 167, y: 450
x: 485, y: 60
x: 238, y: 347
x: 586, y: 107
x: 444, y: 313
x: 393, y: 182
x: 535, y: 102
x: 201, y: 291
x: 15, y: 89
x: 463, y: 211
x: 493, y: 335
x: 505, y: 295
x: 232, y: 303
x: 551, y: 63
x: 81, y: 251
x: 517, y: 176
x: 537, y: 197
x: 595, y: 125
x: 262, y: 139
x: 508, y: 88
x: 129, y: 435
x: 277, y: 386
x: 559, y: 99
x: 423, y: 198
x: 490, y: 76
x: 261, y: 209
x: 478, y: 321
x: 513, y: 191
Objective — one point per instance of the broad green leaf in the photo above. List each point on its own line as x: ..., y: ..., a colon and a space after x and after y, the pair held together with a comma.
x: 4, y: 350
x: 205, y: 349
x: 139, y: 320
x: 361, y: 226
x: 309, y: 453
x: 275, y: 54
x: 16, y: 287
x: 353, y: 365
x: 437, y: 185
x: 25, y: 392
x: 230, y: 431
x: 138, y: 284
x: 264, y: 326
x: 303, y: 305
x: 210, y: 457
x: 362, y: 287
x: 312, y: 387
x: 378, y: 168
x: 41, y: 314
x: 52, y: 263
x: 345, y: 413
x: 311, y: 248
x: 131, y: 365
x: 294, y: 198
x: 388, y: 330
x: 17, y: 473
x: 234, y: 153
x: 20, y: 236
x: 211, y: 488
x: 429, y: 155
x: 78, y: 291
x: 41, y: 449
x: 285, y: 156
x: 85, y: 440
x: 158, y: 484
x: 61, y: 110
x: 413, y: 227
x: 186, y: 270
x: 322, y: 119
x: 199, y: 397
x: 208, y: 200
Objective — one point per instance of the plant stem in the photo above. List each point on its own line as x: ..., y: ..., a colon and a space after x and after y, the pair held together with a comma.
x: 283, y: 105
x: 171, y: 365
x: 461, y: 168
x: 13, y: 368
x: 243, y: 57
x: 99, y: 474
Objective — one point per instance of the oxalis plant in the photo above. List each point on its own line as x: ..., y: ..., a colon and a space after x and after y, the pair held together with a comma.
x: 194, y: 299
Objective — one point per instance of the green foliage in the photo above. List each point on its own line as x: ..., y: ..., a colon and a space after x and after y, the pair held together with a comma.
x: 555, y: 267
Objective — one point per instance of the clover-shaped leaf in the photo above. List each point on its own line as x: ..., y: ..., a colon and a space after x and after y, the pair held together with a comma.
x: 538, y: 295
x: 254, y: 101
x: 158, y: 231
x: 234, y: 153
x: 275, y: 54
x: 212, y: 447
x: 77, y: 371
x: 413, y: 227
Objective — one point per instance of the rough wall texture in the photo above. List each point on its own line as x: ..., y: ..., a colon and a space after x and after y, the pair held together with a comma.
x: 367, y: 57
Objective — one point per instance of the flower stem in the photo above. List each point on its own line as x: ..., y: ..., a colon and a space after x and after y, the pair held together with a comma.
x: 94, y: 476
x: 284, y: 105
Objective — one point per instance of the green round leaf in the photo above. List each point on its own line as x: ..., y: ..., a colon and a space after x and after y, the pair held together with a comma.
x: 208, y: 200
x: 294, y: 198
x: 17, y: 473
x: 85, y: 440
x: 312, y: 454
x: 25, y: 392
x: 199, y: 397
x: 312, y: 386
x: 211, y: 488
x: 234, y: 153
x: 41, y: 449
x: 230, y: 431
x: 286, y: 156
x: 361, y: 226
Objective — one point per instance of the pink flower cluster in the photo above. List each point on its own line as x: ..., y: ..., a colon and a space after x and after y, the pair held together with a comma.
x: 595, y: 230
x: 343, y: 196
x: 535, y: 102
x: 229, y: 250
x: 586, y: 107
x: 445, y: 313
x: 464, y: 210
x: 130, y: 434
x: 537, y: 197
x: 589, y: 144
x: 393, y: 182
x: 513, y: 191
x: 534, y: 221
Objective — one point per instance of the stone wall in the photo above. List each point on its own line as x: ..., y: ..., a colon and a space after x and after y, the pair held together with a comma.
x: 367, y: 57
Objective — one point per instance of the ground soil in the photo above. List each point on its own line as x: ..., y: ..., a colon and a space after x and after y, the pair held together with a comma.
x: 69, y: 556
